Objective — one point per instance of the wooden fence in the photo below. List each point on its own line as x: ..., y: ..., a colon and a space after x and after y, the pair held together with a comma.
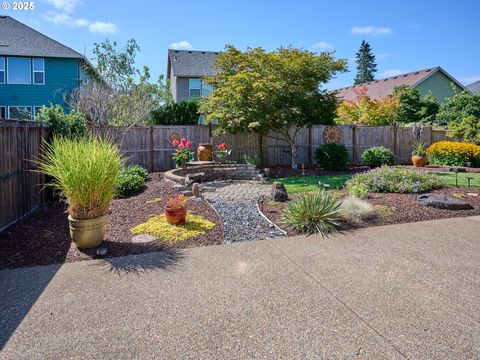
x: 150, y: 147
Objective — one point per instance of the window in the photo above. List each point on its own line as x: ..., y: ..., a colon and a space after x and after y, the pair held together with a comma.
x: 38, y: 71
x: 20, y: 112
x: 195, y: 88
x: 2, y: 70
x: 19, y: 71
x: 3, y: 112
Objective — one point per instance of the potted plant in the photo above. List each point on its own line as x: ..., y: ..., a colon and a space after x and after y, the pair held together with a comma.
x: 182, y: 154
x: 222, y: 152
x: 419, y: 154
x: 85, y: 172
x: 176, y: 210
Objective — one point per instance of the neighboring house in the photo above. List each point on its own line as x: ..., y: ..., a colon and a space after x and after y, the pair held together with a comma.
x: 35, y: 70
x: 185, y: 70
x: 475, y: 87
x: 434, y: 80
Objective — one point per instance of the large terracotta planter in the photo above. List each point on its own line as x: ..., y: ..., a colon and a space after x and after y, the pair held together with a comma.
x: 89, y: 233
x: 175, y: 216
x: 419, y: 161
x: 204, y: 152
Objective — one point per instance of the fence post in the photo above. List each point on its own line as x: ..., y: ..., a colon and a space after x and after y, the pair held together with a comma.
x: 260, y: 150
x: 354, y: 145
x: 309, y: 143
x: 151, y: 149
x: 395, y: 145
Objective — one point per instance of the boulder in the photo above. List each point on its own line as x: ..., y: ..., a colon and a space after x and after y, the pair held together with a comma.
x: 440, y: 201
x: 279, y: 193
x: 193, y: 178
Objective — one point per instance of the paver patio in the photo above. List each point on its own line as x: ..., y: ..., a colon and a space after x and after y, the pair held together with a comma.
x: 399, y: 291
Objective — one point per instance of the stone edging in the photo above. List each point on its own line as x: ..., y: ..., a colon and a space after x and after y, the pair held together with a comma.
x: 234, y: 171
x: 270, y: 221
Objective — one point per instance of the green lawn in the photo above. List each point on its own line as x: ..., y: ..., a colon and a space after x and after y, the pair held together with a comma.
x: 299, y: 184
x: 462, y: 179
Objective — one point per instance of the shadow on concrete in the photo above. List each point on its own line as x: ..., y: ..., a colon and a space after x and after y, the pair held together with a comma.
x: 141, y: 264
x: 19, y: 290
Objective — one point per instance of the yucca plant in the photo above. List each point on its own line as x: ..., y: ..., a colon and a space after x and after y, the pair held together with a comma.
x: 315, y: 212
x: 84, y: 171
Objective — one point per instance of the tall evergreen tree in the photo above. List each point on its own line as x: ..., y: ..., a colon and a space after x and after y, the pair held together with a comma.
x: 366, y: 66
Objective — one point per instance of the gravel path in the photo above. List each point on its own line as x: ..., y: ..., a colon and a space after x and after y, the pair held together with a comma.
x: 235, y: 202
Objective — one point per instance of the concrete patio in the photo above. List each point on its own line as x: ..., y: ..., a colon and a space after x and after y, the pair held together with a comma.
x: 399, y: 291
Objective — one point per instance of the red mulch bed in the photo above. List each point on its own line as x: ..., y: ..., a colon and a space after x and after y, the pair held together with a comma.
x: 406, y: 209
x: 283, y: 172
x: 44, y: 238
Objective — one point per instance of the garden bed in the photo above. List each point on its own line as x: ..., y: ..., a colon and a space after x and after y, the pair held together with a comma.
x: 43, y: 237
x: 393, y: 208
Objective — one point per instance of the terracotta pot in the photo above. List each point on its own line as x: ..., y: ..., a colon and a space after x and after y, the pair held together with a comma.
x: 89, y: 233
x: 419, y: 161
x: 204, y: 152
x: 175, y: 216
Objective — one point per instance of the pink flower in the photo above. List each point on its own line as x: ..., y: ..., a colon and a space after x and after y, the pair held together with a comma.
x: 175, y: 143
x: 183, y: 141
x: 181, y: 146
x: 222, y: 146
x: 188, y: 144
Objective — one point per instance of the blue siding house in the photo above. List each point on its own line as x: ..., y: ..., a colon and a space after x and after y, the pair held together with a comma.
x: 35, y: 70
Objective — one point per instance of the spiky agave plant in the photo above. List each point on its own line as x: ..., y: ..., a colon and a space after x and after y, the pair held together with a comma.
x: 314, y: 212
x: 84, y: 171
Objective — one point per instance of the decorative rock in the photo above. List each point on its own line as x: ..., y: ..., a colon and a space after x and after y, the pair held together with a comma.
x: 102, y: 251
x: 279, y: 193
x: 193, y: 178
x: 443, y: 202
x: 457, y: 169
x: 195, y: 189
x: 143, y: 239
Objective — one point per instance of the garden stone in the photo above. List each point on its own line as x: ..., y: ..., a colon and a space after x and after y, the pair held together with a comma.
x: 195, y: 189
x: 443, y: 202
x: 279, y: 193
x: 143, y: 239
x: 102, y: 251
x: 193, y: 178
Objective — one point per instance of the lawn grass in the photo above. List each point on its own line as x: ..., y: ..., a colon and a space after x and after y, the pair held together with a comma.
x: 299, y: 184
x: 449, y: 177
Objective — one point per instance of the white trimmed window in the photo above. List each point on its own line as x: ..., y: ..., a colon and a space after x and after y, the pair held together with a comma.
x: 3, y: 112
x: 38, y: 71
x: 194, y: 88
x: 19, y: 70
x: 20, y: 112
x: 2, y: 70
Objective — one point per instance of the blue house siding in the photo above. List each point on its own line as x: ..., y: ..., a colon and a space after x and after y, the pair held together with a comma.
x: 61, y: 77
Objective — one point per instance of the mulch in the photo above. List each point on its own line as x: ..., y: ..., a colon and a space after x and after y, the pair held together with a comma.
x: 43, y: 237
x: 404, y: 206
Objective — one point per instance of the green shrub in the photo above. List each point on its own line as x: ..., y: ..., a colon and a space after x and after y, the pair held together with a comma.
x: 71, y: 125
x: 182, y: 113
x: 253, y: 160
x: 136, y: 170
x: 359, y: 190
x: 396, y: 180
x: 85, y: 171
x: 468, y: 130
x: 332, y: 156
x: 315, y: 212
x: 353, y: 208
x: 377, y: 156
x: 131, y: 180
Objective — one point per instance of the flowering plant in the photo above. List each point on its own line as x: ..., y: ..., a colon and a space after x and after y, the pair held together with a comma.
x: 182, y: 154
x: 222, y: 151
x: 177, y: 202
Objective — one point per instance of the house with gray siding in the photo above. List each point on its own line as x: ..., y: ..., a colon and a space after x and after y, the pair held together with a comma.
x: 35, y: 70
x: 185, y: 70
x: 435, y: 80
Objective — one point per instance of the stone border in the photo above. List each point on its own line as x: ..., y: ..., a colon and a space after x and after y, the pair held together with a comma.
x: 270, y: 221
x: 217, y: 172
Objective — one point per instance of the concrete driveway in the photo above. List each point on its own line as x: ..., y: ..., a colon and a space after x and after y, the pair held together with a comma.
x: 400, y: 291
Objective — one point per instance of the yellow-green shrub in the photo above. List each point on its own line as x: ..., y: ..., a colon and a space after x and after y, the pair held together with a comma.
x: 453, y: 153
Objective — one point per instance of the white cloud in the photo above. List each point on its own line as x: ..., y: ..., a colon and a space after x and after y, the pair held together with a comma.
x: 373, y: 30
x: 382, y: 56
x: 322, y: 45
x: 64, y: 5
x: 64, y: 19
x: 100, y: 27
x: 181, y: 45
x: 469, y: 79
x: 392, y: 72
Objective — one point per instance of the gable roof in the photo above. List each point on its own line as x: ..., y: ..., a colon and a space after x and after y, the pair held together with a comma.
x: 475, y: 87
x: 378, y: 89
x: 18, y: 39
x: 191, y: 63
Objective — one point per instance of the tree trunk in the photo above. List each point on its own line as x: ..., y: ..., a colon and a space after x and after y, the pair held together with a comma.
x: 294, y: 155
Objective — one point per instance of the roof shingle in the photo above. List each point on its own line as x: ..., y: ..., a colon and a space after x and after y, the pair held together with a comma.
x: 190, y: 63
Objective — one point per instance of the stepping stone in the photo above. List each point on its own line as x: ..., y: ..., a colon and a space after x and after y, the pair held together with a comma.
x: 143, y: 239
x: 443, y: 202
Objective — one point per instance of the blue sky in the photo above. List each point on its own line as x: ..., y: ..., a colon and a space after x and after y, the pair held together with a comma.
x: 405, y: 35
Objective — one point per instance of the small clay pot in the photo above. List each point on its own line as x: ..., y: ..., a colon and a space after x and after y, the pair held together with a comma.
x: 419, y: 161
x: 204, y: 152
x: 175, y: 216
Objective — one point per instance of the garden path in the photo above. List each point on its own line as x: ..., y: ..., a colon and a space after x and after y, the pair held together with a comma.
x: 235, y: 202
